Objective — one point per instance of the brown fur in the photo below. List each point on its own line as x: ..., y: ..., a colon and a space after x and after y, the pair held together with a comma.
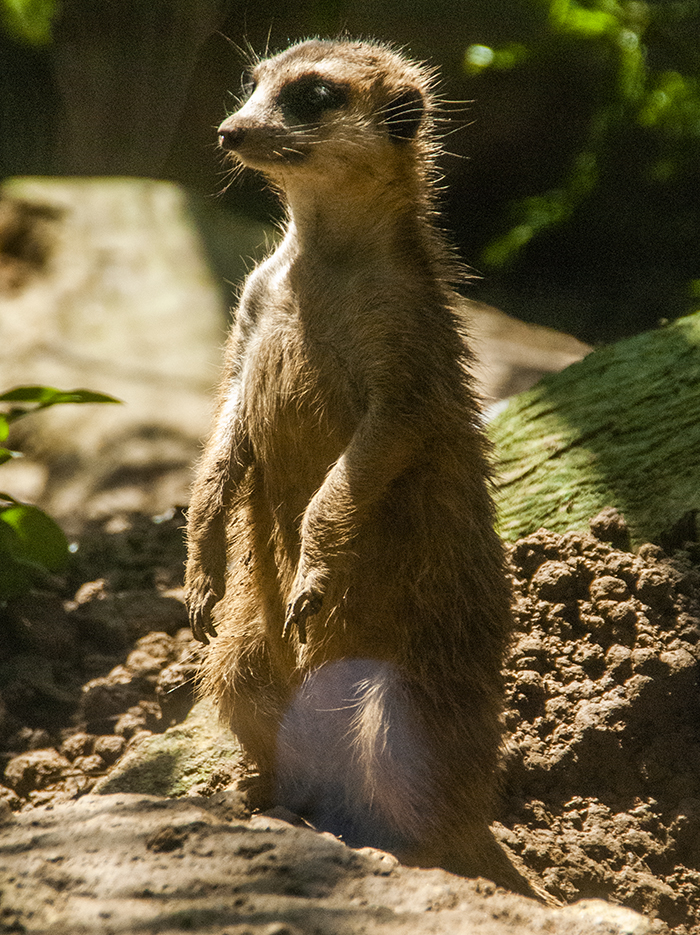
x: 364, y: 610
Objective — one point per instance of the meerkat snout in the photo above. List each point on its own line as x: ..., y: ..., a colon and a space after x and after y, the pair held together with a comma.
x: 230, y: 138
x: 317, y: 107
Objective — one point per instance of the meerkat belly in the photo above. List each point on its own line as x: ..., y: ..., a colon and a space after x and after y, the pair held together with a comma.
x: 300, y: 414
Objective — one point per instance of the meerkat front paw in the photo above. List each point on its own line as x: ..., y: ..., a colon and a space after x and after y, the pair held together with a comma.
x: 201, y: 596
x: 306, y: 601
x: 200, y: 608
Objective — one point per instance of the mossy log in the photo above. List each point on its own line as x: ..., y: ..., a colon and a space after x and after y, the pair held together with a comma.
x: 620, y: 428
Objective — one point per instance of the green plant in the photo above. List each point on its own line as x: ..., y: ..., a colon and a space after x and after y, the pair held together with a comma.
x: 32, y: 545
x: 642, y: 142
x: 29, y: 21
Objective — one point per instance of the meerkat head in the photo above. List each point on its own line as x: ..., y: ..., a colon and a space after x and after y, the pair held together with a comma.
x: 326, y: 107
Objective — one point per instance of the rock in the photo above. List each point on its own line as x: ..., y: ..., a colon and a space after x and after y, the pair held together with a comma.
x: 128, y: 863
x: 512, y: 355
x: 151, y: 653
x: 176, y: 690
x: 176, y: 761
x: 78, y: 744
x: 40, y: 625
x: 554, y: 581
x: 114, y: 620
x: 32, y: 683
x: 10, y: 800
x: 110, y: 747
x: 35, y: 770
x: 610, y: 526
x: 123, y: 302
x: 654, y: 587
x: 92, y: 765
x: 609, y: 588
x: 145, y: 716
x: 29, y: 738
x: 112, y: 695
x: 5, y: 808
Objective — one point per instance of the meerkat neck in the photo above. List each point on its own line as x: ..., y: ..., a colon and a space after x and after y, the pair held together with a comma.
x: 350, y: 218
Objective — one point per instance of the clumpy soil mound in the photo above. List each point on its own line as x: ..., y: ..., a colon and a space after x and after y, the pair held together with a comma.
x: 601, y: 770
x: 602, y: 766
x: 103, y: 658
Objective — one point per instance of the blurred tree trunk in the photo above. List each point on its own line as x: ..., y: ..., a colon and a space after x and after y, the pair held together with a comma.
x: 105, y: 284
x: 123, y: 70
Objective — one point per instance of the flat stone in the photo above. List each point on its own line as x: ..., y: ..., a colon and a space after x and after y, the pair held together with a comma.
x: 136, y: 863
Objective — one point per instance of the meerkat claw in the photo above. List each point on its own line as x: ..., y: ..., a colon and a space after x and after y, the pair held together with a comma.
x: 307, y: 604
x: 201, y: 623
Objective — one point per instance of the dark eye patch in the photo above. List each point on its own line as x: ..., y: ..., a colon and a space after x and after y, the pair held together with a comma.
x: 308, y: 98
x: 248, y: 85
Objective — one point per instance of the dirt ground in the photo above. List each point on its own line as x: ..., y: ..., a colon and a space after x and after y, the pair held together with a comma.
x: 601, y: 768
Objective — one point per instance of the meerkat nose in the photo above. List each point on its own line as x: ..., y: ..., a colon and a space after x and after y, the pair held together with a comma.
x: 230, y: 139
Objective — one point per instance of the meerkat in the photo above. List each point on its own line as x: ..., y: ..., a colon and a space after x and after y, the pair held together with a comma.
x: 341, y: 529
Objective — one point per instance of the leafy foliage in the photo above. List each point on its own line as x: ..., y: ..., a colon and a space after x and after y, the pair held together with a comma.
x: 643, y: 131
x: 29, y: 20
x: 32, y: 545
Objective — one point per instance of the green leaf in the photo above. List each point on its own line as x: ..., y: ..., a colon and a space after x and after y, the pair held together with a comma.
x: 569, y: 16
x: 85, y: 396
x: 16, y: 577
x: 50, y: 396
x: 42, y: 397
x: 28, y: 394
x: 35, y: 538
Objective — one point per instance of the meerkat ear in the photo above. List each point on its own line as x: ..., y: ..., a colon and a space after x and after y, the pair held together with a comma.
x: 404, y: 114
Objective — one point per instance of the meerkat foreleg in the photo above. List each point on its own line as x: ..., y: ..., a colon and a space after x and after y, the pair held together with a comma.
x: 378, y: 452
x: 225, y: 461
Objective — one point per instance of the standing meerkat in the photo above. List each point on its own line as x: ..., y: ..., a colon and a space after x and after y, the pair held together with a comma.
x: 341, y: 531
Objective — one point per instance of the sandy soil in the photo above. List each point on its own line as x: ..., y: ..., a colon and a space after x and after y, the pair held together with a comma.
x: 601, y: 768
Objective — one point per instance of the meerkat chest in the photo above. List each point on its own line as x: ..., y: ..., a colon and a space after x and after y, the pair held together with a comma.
x: 299, y: 384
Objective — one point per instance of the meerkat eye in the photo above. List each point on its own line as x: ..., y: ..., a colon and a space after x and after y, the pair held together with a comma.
x: 308, y: 98
x: 248, y: 85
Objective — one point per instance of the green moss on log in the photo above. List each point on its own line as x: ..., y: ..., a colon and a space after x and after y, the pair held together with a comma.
x: 620, y: 428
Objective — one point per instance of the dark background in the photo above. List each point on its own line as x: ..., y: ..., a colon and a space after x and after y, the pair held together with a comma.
x: 573, y: 180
